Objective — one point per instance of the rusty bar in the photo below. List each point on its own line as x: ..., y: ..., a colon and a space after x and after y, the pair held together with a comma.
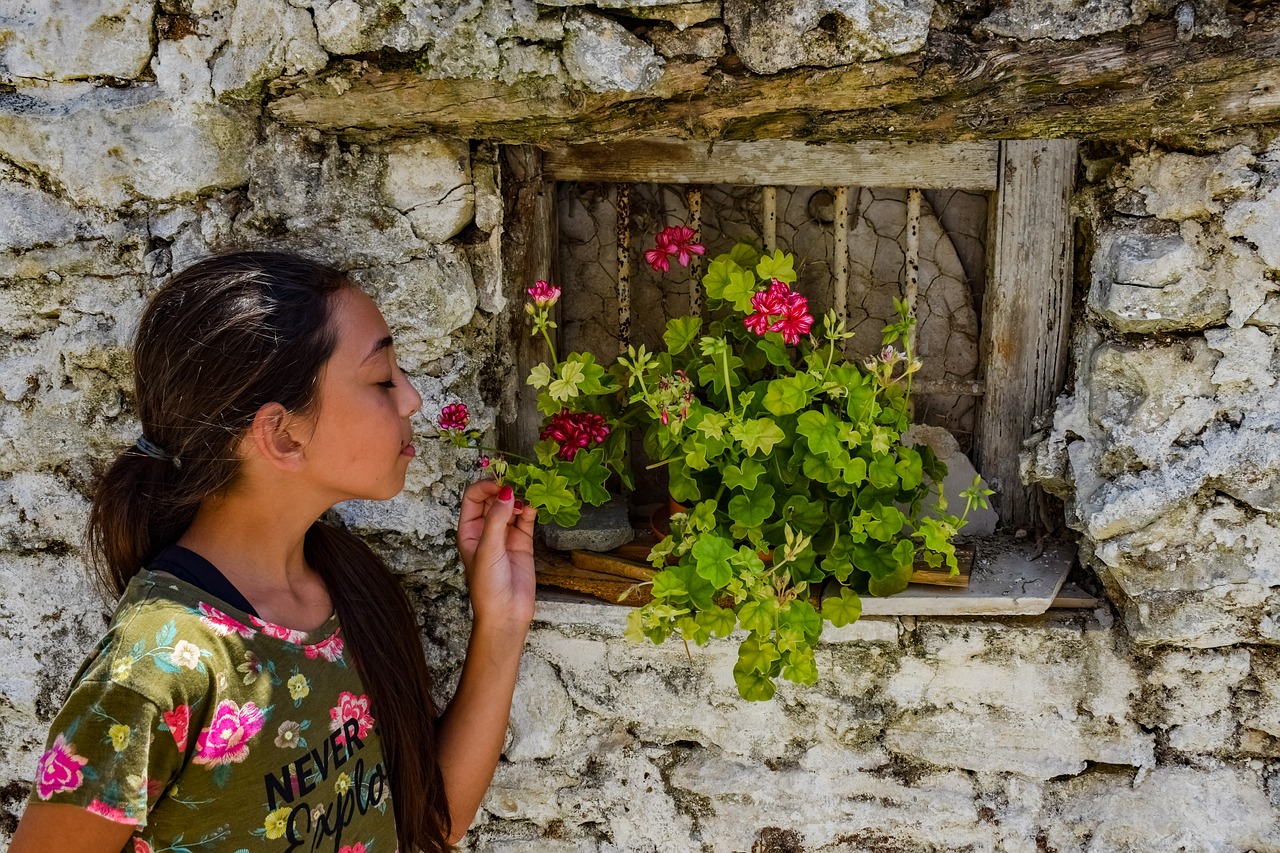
x: 624, y: 266
x: 769, y: 217
x: 693, y: 197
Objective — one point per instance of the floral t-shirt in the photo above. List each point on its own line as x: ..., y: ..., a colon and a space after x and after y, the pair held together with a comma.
x: 211, y: 730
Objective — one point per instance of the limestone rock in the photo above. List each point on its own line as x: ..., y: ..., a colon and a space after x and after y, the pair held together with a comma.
x: 1149, y: 279
x: 604, y: 56
x: 960, y: 476
x: 771, y: 37
x: 1060, y: 19
x: 34, y: 217
x: 538, y: 712
x: 105, y: 147
x: 429, y: 180
x: 704, y: 42
x: 1257, y: 221
x: 344, y: 28
x: 1182, y: 186
x: 265, y: 39
x: 182, y: 67
x: 76, y: 39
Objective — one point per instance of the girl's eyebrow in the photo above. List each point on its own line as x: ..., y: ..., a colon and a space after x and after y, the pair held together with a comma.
x: 377, y: 348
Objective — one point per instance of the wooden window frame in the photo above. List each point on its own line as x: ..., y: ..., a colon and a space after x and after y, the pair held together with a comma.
x: 1027, y: 301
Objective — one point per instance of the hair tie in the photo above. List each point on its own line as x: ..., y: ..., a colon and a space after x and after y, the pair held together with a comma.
x: 146, y: 446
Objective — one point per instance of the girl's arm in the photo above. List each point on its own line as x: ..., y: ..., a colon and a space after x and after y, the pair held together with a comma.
x: 495, y: 541
x: 60, y: 828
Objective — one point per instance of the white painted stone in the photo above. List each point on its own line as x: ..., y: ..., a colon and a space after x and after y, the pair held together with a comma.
x: 76, y: 39
x: 1182, y: 186
x: 603, y: 56
x: 1061, y: 19
x: 1257, y: 221
x: 771, y: 37
x: 105, y: 147
x: 182, y: 67
x: 429, y: 180
x: 701, y: 42
x: 342, y: 30
x: 1214, y: 809
x: 1246, y: 356
x: 537, y: 714
x: 265, y: 38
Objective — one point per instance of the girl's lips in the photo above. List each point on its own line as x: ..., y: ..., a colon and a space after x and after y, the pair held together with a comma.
x: 409, y: 451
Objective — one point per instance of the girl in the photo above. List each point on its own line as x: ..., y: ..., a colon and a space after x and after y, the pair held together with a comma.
x: 262, y: 684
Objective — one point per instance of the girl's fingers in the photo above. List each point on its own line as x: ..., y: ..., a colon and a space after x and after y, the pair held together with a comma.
x: 501, y: 509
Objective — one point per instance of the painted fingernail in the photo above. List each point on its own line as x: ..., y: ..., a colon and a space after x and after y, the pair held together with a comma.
x: 519, y: 505
x: 506, y: 493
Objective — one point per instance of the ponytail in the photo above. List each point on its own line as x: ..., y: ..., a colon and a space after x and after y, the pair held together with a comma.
x: 366, y: 594
x: 217, y: 342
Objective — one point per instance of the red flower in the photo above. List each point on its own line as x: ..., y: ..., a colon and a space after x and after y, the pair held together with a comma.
x: 575, y: 430
x: 780, y: 309
x: 454, y: 416
x: 674, y: 240
x: 544, y: 294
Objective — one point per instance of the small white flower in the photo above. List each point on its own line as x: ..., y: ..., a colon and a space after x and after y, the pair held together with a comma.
x: 185, y: 654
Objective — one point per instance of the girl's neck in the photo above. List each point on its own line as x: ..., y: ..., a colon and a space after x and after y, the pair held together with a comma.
x: 258, y: 546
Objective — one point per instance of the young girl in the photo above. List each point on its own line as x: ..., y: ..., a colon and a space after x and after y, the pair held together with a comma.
x: 262, y: 684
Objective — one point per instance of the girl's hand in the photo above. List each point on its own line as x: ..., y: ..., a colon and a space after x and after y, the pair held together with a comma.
x: 495, y: 540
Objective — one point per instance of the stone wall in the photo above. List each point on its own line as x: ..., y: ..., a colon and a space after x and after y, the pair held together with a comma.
x: 133, y: 138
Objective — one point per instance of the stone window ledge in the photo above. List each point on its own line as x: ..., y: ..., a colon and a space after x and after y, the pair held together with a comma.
x: 1005, y: 582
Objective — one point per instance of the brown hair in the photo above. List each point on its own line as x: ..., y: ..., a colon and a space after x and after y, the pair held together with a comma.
x: 217, y: 342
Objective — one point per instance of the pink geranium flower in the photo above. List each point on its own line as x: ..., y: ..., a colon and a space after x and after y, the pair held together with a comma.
x: 179, y: 721
x: 676, y: 240
x: 350, y: 707
x: 454, y: 416
x: 60, y: 769
x: 575, y: 430
x: 103, y: 810
x: 544, y: 294
x: 140, y: 846
x: 222, y: 624
x: 780, y: 309
x: 329, y: 648
x: 226, y: 741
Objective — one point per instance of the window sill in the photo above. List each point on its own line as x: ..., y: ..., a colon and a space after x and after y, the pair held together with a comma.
x: 1005, y: 581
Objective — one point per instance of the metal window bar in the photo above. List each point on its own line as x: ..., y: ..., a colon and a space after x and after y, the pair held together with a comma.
x: 693, y: 199
x: 624, y: 266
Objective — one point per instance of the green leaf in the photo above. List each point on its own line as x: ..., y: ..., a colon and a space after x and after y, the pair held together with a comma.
x: 719, y: 621
x: 566, y: 387
x: 751, y: 685
x: 780, y: 266
x: 717, y: 277
x: 739, y: 290
x: 805, y: 515
x: 759, y: 434
x: 712, y: 553
x: 802, y: 616
x: 758, y: 655
x: 821, y: 431
x: 894, y: 582
x: 753, y: 508
x: 681, y: 333
x: 910, y: 468
x: 881, y: 472
x: 588, y: 473
x: 539, y: 376
x: 742, y: 476
x: 549, y: 490
x: 758, y: 614
x: 786, y: 395
x: 801, y: 668
x: 744, y: 255
x: 855, y: 471
x: 681, y: 486
x: 843, y: 609
x: 668, y: 584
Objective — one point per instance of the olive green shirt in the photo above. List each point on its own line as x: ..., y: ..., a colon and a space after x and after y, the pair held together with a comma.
x: 210, y: 730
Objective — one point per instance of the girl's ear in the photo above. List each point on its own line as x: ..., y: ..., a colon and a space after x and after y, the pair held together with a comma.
x: 271, y: 435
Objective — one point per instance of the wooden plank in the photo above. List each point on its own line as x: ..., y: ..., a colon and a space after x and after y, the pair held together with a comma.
x: 611, y: 564
x: 1141, y: 82
x: 529, y: 248
x: 1026, y: 310
x: 958, y: 165
x: 1072, y: 597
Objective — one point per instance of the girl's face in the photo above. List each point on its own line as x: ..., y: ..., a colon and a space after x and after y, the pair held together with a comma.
x: 360, y: 442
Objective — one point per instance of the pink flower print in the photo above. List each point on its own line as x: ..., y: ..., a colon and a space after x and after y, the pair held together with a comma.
x: 60, y: 769
x: 226, y: 741
x: 454, y: 416
x: 103, y: 810
x: 350, y: 707
x: 329, y: 648
x: 140, y: 846
x: 179, y: 720
x: 279, y: 631
x: 544, y: 294
x: 222, y: 624
x: 353, y: 848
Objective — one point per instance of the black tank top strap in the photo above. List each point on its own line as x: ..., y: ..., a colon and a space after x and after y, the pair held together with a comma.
x: 189, y: 566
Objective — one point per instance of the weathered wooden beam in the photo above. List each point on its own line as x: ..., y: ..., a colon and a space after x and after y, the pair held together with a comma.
x: 1026, y: 311
x: 1139, y: 82
x: 779, y: 162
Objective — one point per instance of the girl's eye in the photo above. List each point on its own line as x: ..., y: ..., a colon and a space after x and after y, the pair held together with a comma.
x: 390, y: 383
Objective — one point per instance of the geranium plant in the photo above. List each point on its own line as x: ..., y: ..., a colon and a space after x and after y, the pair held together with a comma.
x: 796, y: 492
